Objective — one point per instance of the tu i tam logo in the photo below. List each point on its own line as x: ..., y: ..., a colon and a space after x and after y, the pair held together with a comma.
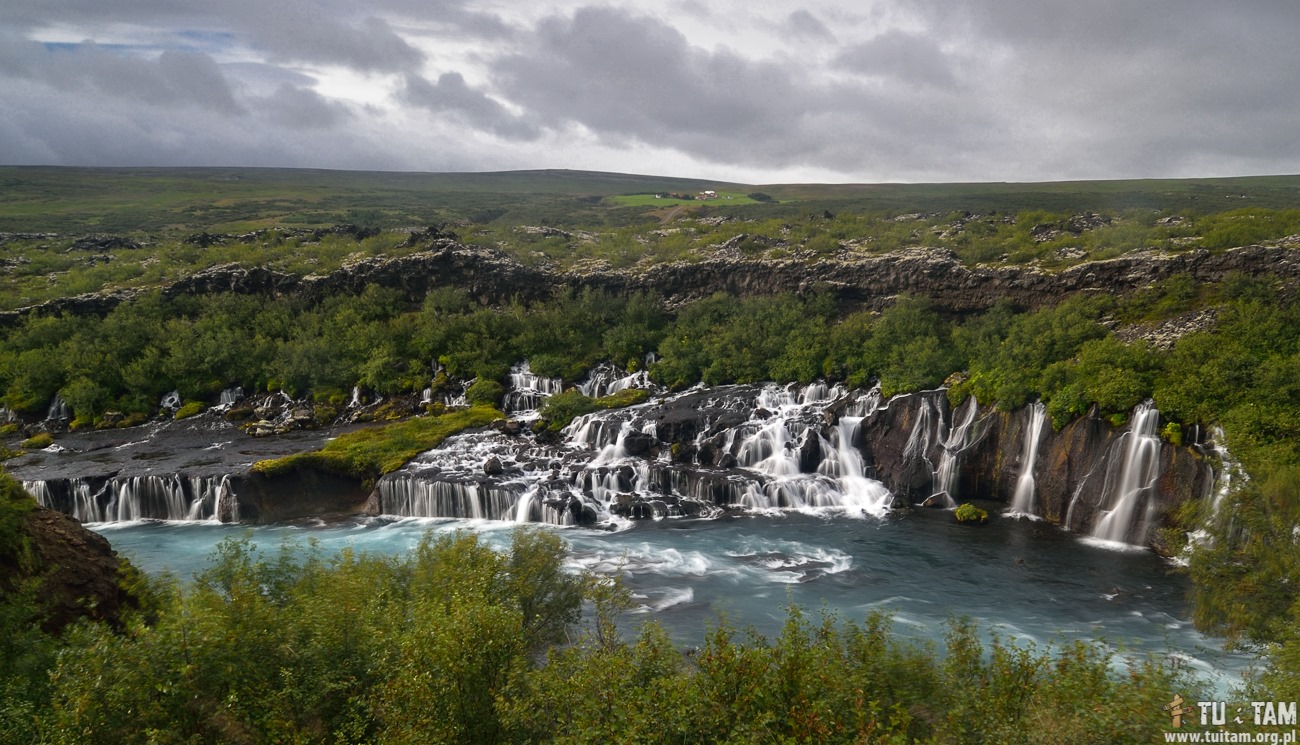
x: 1219, y: 713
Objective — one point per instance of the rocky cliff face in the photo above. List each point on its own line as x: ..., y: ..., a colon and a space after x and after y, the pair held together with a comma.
x: 1074, y: 473
x: 77, y: 570
x: 492, y: 276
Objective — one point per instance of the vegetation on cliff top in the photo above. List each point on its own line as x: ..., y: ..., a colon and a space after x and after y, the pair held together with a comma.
x: 369, y: 453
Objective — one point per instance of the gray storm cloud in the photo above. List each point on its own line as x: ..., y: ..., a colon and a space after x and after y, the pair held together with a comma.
x: 982, y: 90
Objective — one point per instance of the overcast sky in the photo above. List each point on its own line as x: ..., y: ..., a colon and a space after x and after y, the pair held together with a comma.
x: 760, y: 92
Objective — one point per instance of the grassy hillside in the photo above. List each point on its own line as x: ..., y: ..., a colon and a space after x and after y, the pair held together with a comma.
x: 161, y: 200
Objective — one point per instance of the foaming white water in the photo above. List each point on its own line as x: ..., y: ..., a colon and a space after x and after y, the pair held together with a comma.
x: 667, y: 598
x: 1112, y: 545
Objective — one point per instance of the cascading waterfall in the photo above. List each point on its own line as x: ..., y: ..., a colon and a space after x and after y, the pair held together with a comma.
x: 527, y: 391
x: 608, y: 465
x: 923, y: 430
x: 954, y: 445
x: 1022, y: 501
x: 1131, y: 479
x: 414, y: 497
x: 58, y: 409
x: 606, y: 380
x: 40, y: 491
x: 231, y: 396
x: 1229, y: 471
x: 859, y: 492
x: 170, y: 402
x: 129, y: 498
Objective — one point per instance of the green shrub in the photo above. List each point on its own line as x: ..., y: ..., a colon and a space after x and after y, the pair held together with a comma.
x: 562, y: 408
x: 484, y: 392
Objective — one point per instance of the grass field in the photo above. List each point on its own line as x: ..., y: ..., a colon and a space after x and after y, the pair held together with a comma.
x: 162, y: 201
x: 725, y: 198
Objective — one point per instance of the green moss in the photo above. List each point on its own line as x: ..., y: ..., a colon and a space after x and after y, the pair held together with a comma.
x: 369, y: 453
x: 190, y: 409
x: 134, y: 419
x: 38, y: 441
x: 562, y: 408
x: 969, y: 513
x: 1172, y: 433
x: 8, y: 429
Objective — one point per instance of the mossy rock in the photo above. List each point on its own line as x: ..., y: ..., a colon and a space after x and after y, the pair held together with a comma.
x: 38, y: 441
x: 190, y: 409
x: 970, y: 514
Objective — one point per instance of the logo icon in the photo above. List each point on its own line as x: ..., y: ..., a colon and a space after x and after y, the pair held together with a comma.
x: 1177, y: 710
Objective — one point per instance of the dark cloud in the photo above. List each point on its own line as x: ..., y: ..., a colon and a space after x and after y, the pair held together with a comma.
x: 631, y: 78
x: 313, y: 31
x: 184, y: 78
x: 636, y: 76
x: 367, y: 45
x: 925, y: 90
x: 806, y: 25
x: 301, y: 108
x: 909, y: 58
x: 451, y: 95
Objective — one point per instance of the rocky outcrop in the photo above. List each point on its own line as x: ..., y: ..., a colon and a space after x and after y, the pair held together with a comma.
x: 77, y: 570
x: 492, y: 276
x: 300, y: 492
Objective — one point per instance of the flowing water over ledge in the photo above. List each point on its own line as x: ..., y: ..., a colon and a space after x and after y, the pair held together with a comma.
x: 1022, y: 580
x: 732, y: 501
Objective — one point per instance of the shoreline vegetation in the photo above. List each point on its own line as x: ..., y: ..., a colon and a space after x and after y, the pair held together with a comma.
x: 197, y: 661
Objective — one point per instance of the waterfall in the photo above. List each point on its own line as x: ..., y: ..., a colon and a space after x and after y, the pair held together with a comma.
x: 954, y: 445
x: 413, y: 497
x: 607, y: 379
x: 128, y: 498
x: 231, y: 396
x: 40, y: 491
x: 170, y: 402
x: 919, y: 439
x: 1023, y: 500
x: 356, y: 399
x: 781, y: 449
x: 1229, y: 471
x: 859, y: 492
x: 1131, y: 480
x: 58, y: 409
x: 527, y: 391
